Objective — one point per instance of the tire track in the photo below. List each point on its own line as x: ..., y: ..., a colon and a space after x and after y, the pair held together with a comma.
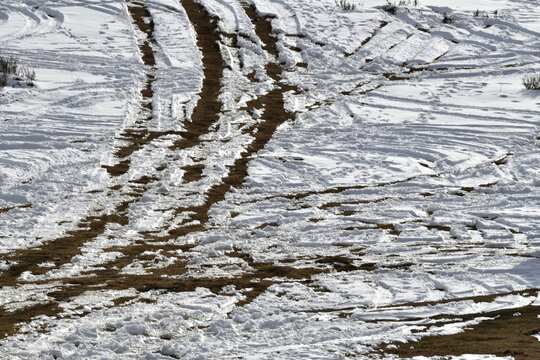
x: 62, y: 250
x: 368, y: 39
x: 9, y: 208
x: 274, y: 114
x: 204, y: 115
x: 139, y: 136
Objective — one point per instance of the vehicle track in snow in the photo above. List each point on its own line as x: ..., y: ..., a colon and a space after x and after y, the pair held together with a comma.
x: 260, y: 275
x: 62, y: 250
x: 136, y: 137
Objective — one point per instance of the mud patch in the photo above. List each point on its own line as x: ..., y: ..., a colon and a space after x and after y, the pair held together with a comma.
x: 508, y: 333
x: 24, y: 206
x: 192, y: 173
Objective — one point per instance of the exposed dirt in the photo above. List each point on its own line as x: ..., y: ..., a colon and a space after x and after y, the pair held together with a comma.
x: 24, y: 206
x: 136, y: 137
x: 502, y: 160
x: 509, y: 333
x: 192, y: 173
x: 142, y: 18
x: 487, y: 337
x: 208, y: 107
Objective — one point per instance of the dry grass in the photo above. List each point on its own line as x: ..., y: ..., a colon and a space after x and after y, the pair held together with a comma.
x: 346, y: 5
x: 532, y: 82
x: 11, y: 66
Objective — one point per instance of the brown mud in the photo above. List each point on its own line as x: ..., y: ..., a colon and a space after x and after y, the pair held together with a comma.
x: 24, y: 206
x: 135, y: 138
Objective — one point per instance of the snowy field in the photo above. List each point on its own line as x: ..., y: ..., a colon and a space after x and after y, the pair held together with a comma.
x: 270, y: 179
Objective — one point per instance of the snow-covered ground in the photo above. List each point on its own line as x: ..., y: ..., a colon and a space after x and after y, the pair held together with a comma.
x: 319, y: 182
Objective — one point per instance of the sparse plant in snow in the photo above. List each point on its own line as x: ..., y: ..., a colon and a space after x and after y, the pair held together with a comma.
x: 446, y: 19
x: 29, y: 74
x: 532, y: 82
x: 10, y: 66
x: 345, y: 5
x: 391, y: 7
x: 485, y: 14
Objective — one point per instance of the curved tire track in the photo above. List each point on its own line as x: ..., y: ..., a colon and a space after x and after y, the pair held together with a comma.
x: 206, y: 113
x: 62, y: 250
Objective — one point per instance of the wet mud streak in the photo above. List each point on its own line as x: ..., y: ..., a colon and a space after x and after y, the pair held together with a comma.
x: 192, y: 173
x: 206, y: 113
x: 334, y: 190
x: 274, y: 114
x: 138, y: 136
x: 24, y: 206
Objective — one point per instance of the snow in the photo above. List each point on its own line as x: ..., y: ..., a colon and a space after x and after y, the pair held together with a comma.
x: 399, y: 198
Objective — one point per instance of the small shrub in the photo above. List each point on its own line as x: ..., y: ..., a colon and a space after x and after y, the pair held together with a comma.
x: 532, y: 82
x: 30, y: 75
x: 9, y: 65
x: 345, y: 5
x: 446, y: 19
x: 485, y: 14
x: 391, y: 7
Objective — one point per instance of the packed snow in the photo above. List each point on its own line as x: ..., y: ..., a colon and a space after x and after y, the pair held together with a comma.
x: 398, y: 200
